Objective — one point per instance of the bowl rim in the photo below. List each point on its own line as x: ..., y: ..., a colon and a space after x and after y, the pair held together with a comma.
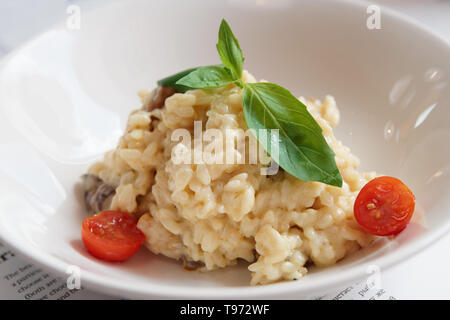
x: 115, y: 287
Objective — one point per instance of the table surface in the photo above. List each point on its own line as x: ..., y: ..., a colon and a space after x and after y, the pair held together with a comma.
x: 408, y: 280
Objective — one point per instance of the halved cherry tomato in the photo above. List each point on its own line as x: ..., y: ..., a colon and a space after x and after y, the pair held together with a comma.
x: 384, y: 206
x: 111, y: 235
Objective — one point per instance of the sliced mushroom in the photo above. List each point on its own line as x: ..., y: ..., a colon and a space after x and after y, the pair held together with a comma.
x: 190, y: 265
x: 97, y: 194
x: 159, y: 98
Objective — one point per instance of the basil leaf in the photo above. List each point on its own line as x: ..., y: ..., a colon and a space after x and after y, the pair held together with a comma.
x: 303, y: 151
x: 207, y: 77
x: 229, y: 50
x: 171, y: 81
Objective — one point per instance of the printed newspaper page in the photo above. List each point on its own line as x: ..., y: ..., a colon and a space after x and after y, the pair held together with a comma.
x: 20, y: 279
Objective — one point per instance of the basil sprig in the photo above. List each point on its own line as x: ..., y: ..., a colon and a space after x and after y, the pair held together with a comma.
x: 302, y: 149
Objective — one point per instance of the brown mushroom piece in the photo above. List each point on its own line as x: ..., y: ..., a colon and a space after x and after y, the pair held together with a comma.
x: 190, y: 265
x: 159, y: 98
x: 97, y: 194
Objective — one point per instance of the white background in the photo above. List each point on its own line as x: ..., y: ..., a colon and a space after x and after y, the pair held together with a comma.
x: 425, y: 276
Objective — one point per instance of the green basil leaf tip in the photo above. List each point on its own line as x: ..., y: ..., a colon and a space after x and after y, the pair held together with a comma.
x: 207, y: 77
x: 229, y: 50
x: 303, y: 151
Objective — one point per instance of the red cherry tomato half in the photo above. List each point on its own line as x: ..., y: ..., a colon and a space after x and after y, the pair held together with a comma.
x: 111, y: 235
x: 384, y: 206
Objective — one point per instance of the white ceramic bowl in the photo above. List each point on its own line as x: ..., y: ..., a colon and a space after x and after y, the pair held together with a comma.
x: 65, y: 97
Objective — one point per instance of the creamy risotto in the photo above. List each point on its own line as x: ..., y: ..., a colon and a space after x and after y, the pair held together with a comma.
x: 211, y: 215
